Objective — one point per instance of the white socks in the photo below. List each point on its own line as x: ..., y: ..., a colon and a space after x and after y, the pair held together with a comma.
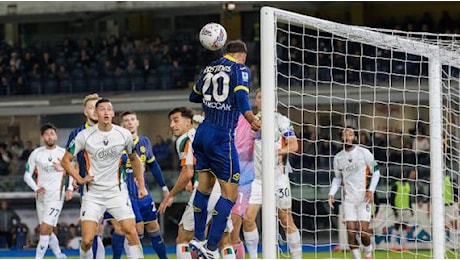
x: 356, y: 253
x: 183, y: 251
x: 86, y: 255
x: 251, y: 239
x: 294, y: 244
x: 228, y: 252
x: 54, y: 245
x: 100, y: 252
x: 42, y: 246
x: 135, y: 252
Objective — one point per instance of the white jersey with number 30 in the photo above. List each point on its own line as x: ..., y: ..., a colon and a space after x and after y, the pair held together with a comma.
x: 353, y: 167
x: 283, y: 130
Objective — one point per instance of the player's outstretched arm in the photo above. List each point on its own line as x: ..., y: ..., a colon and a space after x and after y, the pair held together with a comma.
x: 184, y: 178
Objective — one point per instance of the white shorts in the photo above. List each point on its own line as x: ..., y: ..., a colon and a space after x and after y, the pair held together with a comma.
x: 283, y: 192
x: 357, y: 211
x: 49, y: 211
x: 117, y: 204
x: 451, y: 213
x: 187, y: 220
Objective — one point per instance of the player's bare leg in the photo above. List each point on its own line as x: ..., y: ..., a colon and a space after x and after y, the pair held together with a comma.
x: 128, y: 226
x: 366, y: 238
x: 251, y: 234
x: 352, y: 231
x: 292, y: 233
x: 89, y: 229
x: 238, y: 246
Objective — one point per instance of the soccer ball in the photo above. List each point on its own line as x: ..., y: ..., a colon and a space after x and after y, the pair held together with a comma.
x: 213, y: 36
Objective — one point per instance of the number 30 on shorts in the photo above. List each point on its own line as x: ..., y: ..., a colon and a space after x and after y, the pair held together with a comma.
x: 283, y: 192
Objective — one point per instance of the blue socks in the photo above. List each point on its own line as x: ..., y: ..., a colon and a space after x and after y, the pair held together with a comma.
x: 158, y: 244
x: 219, y: 222
x: 200, y: 213
x: 117, y: 245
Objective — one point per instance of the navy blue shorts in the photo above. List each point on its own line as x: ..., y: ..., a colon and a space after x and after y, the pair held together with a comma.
x: 215, y: 151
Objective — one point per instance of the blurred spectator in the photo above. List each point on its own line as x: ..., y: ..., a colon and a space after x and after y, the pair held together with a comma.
x: 161, y: 151
x: 421, y: 148
x: 16, y: 145
x: 178, y: 75
x: 365, y: 140
x: 15, y: 61
x: 75, y: 237
x: 5, y: 159
x: 15, y: 167
x: 20, y: 234
x: 6, y: 223
x: 27, y: 150
x: 63, y: 234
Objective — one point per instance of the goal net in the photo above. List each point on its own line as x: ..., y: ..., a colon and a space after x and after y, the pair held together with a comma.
x: 400, y: 90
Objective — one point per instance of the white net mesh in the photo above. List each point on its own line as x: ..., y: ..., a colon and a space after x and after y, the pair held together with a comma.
x: 376, y: 80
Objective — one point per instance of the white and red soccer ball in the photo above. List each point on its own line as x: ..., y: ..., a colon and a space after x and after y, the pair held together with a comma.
x: 213, y: 36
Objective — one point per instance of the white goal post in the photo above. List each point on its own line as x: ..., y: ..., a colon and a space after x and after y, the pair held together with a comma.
x: 296, y: 80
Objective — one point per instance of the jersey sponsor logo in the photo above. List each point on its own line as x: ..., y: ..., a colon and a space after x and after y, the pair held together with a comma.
x: 49, y: 168
x: 217, y: 105
x: 107, y: 153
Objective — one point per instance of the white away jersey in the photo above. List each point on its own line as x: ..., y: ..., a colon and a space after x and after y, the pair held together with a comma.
x: 40, y: 162
x: 102, y: 152
x: 283, y: 130
x: 353, y: 167
x: 184, y: 148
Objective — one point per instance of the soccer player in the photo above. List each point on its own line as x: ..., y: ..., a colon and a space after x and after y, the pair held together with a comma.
x: 51, y: 187
x: 223, y: 91
x: 144, y: 208
x: 244, y: 142
x: 105, y: 190
x: 181, y: 124
x: 351, y: 166
x: 285, y: 144
x: 89, y: 105
x: 401, y: 202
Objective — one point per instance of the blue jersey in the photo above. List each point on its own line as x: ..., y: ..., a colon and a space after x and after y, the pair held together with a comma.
x: 223, y: 90
x: 80, y: 156
x: 144, y: 150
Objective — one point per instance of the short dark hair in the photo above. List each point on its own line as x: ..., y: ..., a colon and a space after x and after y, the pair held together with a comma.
x: 102, y: 100
x: 128, y: 112
x: 46, y: 127
x: 235, y: 46
x: 185, y: 112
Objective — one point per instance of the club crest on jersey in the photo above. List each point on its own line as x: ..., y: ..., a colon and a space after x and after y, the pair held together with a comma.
x: 350, y: 160
x: 105, y: 141
x: 50, y: 158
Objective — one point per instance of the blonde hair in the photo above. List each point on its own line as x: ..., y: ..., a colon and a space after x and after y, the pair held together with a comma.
x: 90, y: 97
